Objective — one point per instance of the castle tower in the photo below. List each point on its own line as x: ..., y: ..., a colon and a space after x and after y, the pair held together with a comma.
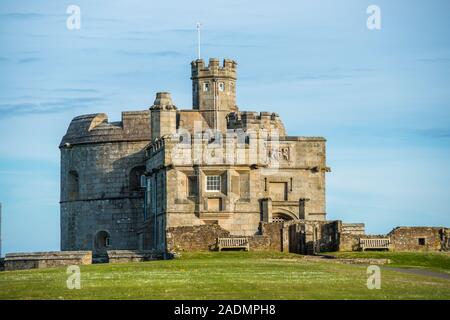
x: 214, y: 90
x: 163, y: 116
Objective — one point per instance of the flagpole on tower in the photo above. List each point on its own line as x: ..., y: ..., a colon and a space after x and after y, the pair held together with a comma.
x: 198, y: 39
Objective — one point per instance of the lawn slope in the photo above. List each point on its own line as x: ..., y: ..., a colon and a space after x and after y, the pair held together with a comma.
x: 221, y: 275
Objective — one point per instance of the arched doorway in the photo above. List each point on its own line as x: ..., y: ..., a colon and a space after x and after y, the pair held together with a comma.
x: 101, y: 242
x: 281, y: 217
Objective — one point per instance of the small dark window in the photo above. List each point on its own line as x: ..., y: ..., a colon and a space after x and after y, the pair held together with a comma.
x: 135, y: 178
x: 73, y: 185
x: 421, y: 241
x: 192, y: 186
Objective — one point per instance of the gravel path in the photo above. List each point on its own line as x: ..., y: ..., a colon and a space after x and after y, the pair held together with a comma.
x: 420, y: 272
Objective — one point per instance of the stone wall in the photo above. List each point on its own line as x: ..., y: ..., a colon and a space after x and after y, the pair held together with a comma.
x: 310, y: 237
x: 193, y: 238
x: 125, y: 256
x: 100, y: 189
x: 417, y: 238
x: 349, y: 236
x: 33, y: 260
x: 304, y: 237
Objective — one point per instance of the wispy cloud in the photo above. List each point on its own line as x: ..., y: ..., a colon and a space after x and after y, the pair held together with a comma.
x: 60, y: 105
x: 75, y: 90
x: 22, y: 15
x: 435, y: 60
x: 29, y: 60
x: 166, y: 53
x: 441, y: 133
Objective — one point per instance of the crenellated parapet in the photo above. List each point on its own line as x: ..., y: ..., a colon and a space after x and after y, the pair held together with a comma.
x: 228, y: 69
x: 269, y: 121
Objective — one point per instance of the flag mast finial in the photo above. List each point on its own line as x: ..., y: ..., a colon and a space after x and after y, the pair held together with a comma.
x: 198, y: 39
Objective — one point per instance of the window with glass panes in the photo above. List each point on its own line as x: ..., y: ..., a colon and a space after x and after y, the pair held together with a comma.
x: 213, y: 183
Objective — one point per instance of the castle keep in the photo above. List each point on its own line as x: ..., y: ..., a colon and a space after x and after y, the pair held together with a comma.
x: 168, y: 179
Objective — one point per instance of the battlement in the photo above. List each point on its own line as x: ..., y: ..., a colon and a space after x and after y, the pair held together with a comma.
x: 255, y: 120
x: 214, y: 69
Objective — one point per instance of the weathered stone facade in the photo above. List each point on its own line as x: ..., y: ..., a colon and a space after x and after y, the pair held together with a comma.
x: 101, y: 196
x: 166, y: 179
x: 104, y: 206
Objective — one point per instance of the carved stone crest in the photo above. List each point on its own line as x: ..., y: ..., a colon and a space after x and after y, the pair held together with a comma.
x: 282, y: 153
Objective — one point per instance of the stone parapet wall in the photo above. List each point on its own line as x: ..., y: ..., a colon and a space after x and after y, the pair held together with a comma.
x: 353, y: 228
x: 124, y: 256
x: 95, y: 128
x: 37, y: 260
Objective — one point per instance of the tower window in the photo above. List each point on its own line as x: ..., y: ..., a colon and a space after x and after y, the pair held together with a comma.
x: 206, y: 86
x: 195, y: 87
x: 73, y: 185
x: 221, y: 86
x: 213, y: 183
x: 136, y: 180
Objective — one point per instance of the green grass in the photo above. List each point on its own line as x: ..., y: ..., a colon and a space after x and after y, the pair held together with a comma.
x: 221, y: 275
x: 439, y: 261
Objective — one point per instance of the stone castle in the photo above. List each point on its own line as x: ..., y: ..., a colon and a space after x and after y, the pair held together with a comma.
x: 167, y: 179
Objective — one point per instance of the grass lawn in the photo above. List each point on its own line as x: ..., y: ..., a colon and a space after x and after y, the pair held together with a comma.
x: 222, y: 275
x: 439, y: 261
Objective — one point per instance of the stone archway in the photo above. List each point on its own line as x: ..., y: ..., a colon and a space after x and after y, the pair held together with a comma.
x: 101, y: 242
x: 283, y: 215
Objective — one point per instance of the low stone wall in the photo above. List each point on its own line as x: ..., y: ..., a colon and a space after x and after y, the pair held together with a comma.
x: 349, y: 242
x: 193, y: 238
x: 305, y: 237
x: 417, y: 238
x: 33, y: 260
x: 349, y: 235
x: 204, y: 237
x: 123, y: 256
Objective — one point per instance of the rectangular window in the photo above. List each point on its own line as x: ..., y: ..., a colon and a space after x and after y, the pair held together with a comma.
x: 206, y: 86
x: 221, y: 86
x: 213, y: 183
x: 143, y: 181
x: 421, y: 241
x: 192, y: 186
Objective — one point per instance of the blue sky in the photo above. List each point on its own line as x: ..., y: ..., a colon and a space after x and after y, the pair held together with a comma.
x: 380, y: 97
